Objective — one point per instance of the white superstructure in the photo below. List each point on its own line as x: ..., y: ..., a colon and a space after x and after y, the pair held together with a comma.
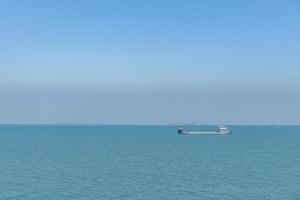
x: 223, y: 130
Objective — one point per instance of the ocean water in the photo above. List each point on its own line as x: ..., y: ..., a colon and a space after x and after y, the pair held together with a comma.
x: 148, y: 162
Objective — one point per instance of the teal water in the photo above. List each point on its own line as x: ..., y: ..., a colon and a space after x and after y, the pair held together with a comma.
x: 148, y: 162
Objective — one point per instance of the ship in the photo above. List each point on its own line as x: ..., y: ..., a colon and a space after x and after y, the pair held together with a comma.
x: 221, y: 131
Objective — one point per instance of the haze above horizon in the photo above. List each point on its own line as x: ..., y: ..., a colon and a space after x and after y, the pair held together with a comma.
x: 231, y: 62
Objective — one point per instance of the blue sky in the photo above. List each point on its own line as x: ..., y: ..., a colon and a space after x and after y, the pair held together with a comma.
x: 150, y: 61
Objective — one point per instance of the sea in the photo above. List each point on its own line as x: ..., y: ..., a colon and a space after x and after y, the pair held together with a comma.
x: 136, y: 162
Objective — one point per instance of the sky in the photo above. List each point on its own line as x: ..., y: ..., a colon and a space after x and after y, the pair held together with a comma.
x: 156, y: 61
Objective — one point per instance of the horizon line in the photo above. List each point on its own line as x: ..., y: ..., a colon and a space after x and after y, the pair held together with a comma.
x: 141, y: 124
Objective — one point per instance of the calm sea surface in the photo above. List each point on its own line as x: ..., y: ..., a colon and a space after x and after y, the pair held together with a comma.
x: 148, y: 162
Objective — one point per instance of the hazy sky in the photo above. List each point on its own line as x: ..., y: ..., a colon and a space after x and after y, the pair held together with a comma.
x: 213, y: 61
